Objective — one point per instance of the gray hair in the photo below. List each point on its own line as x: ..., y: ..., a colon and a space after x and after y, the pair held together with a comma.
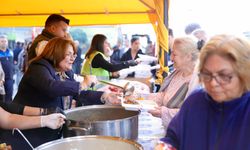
x: 2, y: 36
x: 188, y: 46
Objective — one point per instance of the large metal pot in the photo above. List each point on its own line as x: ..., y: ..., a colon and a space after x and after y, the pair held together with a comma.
x: 91, y: 143
x: 102, y: 120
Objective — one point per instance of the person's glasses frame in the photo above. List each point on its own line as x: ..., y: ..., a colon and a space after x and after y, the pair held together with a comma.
x: 71, y: 55
x: 220, y: 78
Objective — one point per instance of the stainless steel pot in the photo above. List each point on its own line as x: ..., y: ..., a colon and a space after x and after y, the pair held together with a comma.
x: 102, y: 120
x: 91, y: 143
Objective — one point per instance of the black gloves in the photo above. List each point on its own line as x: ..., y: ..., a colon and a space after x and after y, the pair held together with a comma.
x: 131, y: 63
x: 47, y: 111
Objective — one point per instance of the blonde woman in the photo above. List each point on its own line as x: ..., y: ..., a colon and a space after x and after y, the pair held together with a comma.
x: 218, y: 116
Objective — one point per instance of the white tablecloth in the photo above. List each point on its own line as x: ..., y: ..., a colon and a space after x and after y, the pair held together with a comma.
x: 150, y: 130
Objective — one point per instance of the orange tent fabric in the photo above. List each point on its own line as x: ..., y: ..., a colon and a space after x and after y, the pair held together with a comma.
x: 80, y: 12
x: 24, y: 13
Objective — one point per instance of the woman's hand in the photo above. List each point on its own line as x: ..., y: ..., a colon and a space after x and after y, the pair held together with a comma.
x: 1, y: 82
x: 132, y: 62
x: 89, y: 80
x: 111, y: 98
x: 115, y: 74
x: 156, y: 112
x: 3, y: 146
x: 53, y: 121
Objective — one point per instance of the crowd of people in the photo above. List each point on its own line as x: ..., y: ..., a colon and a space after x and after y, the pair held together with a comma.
x: 203, y: 102
x: 48, y: 82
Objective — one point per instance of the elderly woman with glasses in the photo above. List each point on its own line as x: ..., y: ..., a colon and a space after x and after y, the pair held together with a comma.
x: 218, y: 116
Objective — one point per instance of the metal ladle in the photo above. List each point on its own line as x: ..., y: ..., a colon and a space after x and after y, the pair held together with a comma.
x: 126, y: 91
x: 16, y: 129
x: 129, y: 91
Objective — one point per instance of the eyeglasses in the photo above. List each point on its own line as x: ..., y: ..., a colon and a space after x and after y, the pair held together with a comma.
x: 71, y: 55
x: 220, y: 78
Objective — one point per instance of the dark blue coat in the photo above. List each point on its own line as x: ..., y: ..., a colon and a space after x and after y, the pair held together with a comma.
x: 6, y: 59
x: 203, y: 124
x: 41, y: 87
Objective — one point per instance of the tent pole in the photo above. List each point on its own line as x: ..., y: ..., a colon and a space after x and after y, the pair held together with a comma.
x: 165, y: 19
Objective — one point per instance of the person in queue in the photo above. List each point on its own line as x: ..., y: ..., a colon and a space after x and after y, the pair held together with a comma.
x: 201, y: 37
x: 97, y: 63
x: 6, y: 58
x: 25, y: 117
x: 2, y: 89
x: 55, y: 26
x: 191, y: 27
x: 132, y: 53
x: 118, y: 51
x: 218, y: 116
x: 175, y: 86
x: 49, y: 82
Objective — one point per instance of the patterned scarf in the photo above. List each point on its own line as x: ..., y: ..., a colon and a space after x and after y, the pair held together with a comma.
x: 66, y: 99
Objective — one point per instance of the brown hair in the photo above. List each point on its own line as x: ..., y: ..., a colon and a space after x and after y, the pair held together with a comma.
x: 55, y: 50
x: 96, y: 44
x: 232, y: 48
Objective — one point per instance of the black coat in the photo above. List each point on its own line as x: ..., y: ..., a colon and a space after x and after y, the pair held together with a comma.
x: 127, y: 56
